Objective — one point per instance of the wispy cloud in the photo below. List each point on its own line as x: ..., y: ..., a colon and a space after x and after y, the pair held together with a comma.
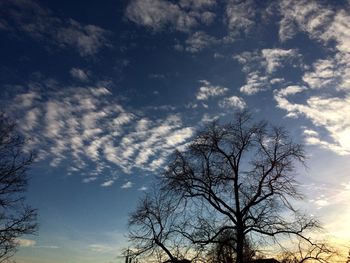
x: 207, y: 90
x: 157, y: 14
x: 308, y: 16
x: 276, y: 57
x: 329, y: 113
x: 79, y: 74
x: 327, y: 81
x: 260, y: 67
x: 107, y: 183
x: 127, y: 185
x: 198, y: 41
x: 143, y: 188
x: 256, y: 82
x: 48, y: 246
x: 197, y: 4
x: 188, y: 16
x: 91, y: 130
x: 22, y: 242
x: 38, y: 22
x: 240, y: 15
x: 232, y: 102
x: 331, y: 198
x: 161, y: 14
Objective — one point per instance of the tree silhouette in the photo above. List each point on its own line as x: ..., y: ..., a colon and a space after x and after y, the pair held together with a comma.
x: 305, y: 252
x: 16, y: 218
x: 223, y: 251
x: 153, y: 228
x: 244, y: 172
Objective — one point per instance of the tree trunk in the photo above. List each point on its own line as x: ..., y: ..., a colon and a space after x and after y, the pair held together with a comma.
x: 240, y: 246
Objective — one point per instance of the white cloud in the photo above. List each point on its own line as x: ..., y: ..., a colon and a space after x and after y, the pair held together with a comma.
x: 308, y: 16
x: 88, y: 39
x: 31, y: 119
x: 179, y: 136
x: 157, y: 14
x: 255, y: 83
x: 181, y: 15
x: 198, y: 41
x: 332, y: 114
x: 127, y: 185
x: 22, y: 242
x: 268, y: 60
x: 232, y: 102
x: 240, y: 15
x: 339, y: 31
x: 328, y: 79
x: 209, y: 118
x: 39, y: 23
x: 323, y: 74
x: 277, y: 80
x: 151, y: 143
x: 276, y: 57
x: 335, y: 211
x: 89, y: 179
x: 330, y: 73
x: 107, y: 183
x: 79, y: 74
x: 197, y: 4
x: 207, y: 17
x: 290, y: 90
x: 90, y: 130
x: 27, y: 99
x: 319, y: 21
x: 260, y: 67
x: 143, y: 188
x: 250, y: 61
x: 188, y: 15
x: 321, y: 202
x: 310, y: 132
x: 208, y: 91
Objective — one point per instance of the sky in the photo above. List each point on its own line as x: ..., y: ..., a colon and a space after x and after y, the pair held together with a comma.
x: 106, y: 90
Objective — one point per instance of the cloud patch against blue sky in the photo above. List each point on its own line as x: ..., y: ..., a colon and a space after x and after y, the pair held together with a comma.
x: 106, y: 92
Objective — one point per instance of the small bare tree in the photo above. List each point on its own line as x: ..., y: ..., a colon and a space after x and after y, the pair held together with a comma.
x: 154, y: 228
x: 16, y: 218
x: 307, y: 252
x: 245, y: 172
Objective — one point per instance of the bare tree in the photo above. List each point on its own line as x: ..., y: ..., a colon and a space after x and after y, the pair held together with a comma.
x: 153, y: 228
x: 16, y: 218
x: 245, y: 172
x: 310, y: 252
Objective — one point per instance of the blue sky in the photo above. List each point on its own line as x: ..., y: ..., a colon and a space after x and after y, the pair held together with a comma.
x: 107, y: 90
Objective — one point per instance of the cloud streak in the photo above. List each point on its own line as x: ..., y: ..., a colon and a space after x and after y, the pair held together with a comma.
x: 261, y: 67
x: 38, y: 22
x: 207, y: 90
x: 327, y: 81
x: 157, y: 14
x: 94, y: 133
x: 332, y: 114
